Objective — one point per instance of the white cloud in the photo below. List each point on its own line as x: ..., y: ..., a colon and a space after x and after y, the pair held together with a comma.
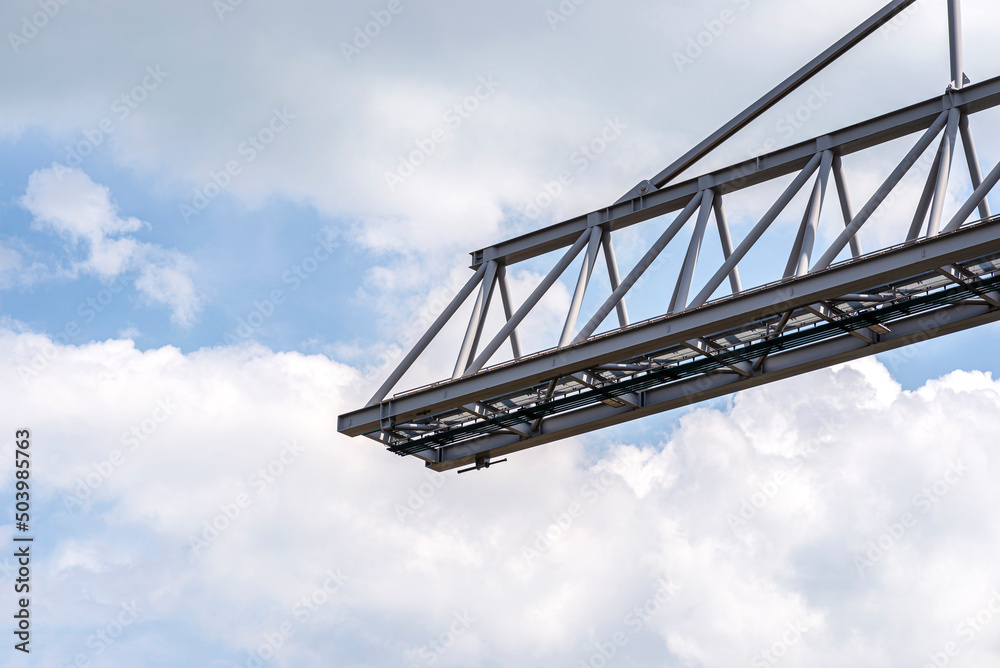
x: 170, y: 283
x: 355, y: 119
x: 760, y: 523
x: 10, y: 266
x: 819, y: 481
x: 68, y: 202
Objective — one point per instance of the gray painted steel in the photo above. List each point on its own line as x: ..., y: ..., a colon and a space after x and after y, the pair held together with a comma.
x: 815, y: 316
x: 782, y: 90
x: 855, y: 276
x: 746, y: 174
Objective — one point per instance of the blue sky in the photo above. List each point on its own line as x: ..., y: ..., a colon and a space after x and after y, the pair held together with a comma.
x: 242, y: 253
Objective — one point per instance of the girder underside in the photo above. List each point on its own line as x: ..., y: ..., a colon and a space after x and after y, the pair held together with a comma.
x: 683, y: 393
x: 914, y: 292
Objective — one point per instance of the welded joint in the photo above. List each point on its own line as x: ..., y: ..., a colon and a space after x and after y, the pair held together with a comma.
x: 596, y: 382
x: 833, y: 315
x: 481, y: 410
x: 710, y: 350
x: 963, y: 276
x: 385, y: 415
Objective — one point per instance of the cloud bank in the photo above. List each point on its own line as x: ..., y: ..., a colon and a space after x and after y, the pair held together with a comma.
x: 210, y: 492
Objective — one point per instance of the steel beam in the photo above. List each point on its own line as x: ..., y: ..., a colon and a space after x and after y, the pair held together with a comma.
x: 798, y: 261
x: 428, y: 336
x: 532, y: 300
x: 972, y: 158
x: 755, y: 234
x: 955, y: 43
x: 779, y: 366
x: 785, y: 88
x: 586, y: 271
x: 978, y: 196
x: 683, y: 288
x: 476, y: 321
x: 639, y: 269
x: 920, y: 215
x: 615, y: 278
x: 944, y: 171
x: 515, y: 341
x: 859, y: 137
x: 845, y: 203
x: 727, y: 244
x: 857, y: 276
x: 883, y: 192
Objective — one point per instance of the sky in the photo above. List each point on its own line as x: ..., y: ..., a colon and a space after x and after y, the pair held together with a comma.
x: 215, y: 238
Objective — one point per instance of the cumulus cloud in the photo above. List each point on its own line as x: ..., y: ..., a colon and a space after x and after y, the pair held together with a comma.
x: 211, y: 489
x: 69, y: 203
x: 10, y: 266
x: 206, y: 497
x: 357, y: 118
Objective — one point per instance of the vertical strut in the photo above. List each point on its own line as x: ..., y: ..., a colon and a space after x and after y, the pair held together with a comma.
x: 845, y: 203
x: 756, y: 232
x: 727, y: 243
x: 639, y: 269
x: 883, y: 192
x: 972, y: 157
x: 798, y: 262
x: 683, y: 287
x: 515, y: 340
x: 529, y: 304
x: 955, y: 38
x: 586, y: 270
x: 615, y: 278
x: 944, y: 172
x: 476, y: 321
x: 920, y: 215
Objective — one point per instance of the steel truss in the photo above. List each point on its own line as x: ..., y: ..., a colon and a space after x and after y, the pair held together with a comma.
x: 944, y: 277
